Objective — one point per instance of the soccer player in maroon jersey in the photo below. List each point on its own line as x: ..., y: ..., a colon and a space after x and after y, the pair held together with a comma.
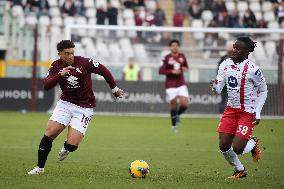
x: 74, y: 110
x: 173, y: 66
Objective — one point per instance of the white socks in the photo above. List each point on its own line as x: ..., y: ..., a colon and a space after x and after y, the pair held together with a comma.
x: 233, y: 159
x: 250, y: 144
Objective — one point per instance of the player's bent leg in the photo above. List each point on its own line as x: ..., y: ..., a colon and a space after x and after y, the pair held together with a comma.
x: 74, y: 138
x: 225, y: 143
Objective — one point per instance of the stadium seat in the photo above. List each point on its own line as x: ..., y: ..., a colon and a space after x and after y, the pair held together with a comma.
x: 270, y: 48
x: 44, y: 21
x: 68, y: 20
x: 258, y: 15
x: 273, y: 24
x: 140, y: 51
x: 56, y: 21
x: 101, y: 3
x: 81, y: 21
x: 196, y: 23
x: 269, y: 16
x: 255, y: 6
x: 31, y: 20
x: 115, y: 3
x: 79, y: 50
x: 91, y: 12
x: 128, y: 14
x: 259, y: 51
x: 242, y: 6
x: 115, y: 52
x: 150, y: 5
x: 86, y: 41
x: 126, y: 47
x: 207, y: 15
x: 89, y: 4
x: 230, y: 5
x: 266, y: 6
x: 102, y: 49
x: 17, y: 11
x: 53, y: 3
x: 54, y: 11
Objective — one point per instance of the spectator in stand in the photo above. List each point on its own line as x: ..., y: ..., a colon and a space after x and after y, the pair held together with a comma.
x: 80, y: 9
x: 178, y: 20
x: 68, y: 8
x: 261, y: 24
x: 234, y: 19
x: 222, y: 19
x: 160, y: 15
x: 101, y: 16
x: 131, y: 72
x: 138, y: 22
x: 181, y: 5
x: 112, y: 14
x: 150, y: 20
x: 249, y: 20
x: 280, y: 12
x: 132, y: 4
x: 43, y: 7
x: 32, y: 6
x: 219, y: 6
x: 17, y: 2
x: 195, y: 9
x: 208, y: 4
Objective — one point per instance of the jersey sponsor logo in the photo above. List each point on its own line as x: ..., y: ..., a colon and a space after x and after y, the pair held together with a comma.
x: 95, y: 63
x: 232, y: 81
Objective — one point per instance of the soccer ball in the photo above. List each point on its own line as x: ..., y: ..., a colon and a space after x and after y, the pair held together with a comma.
x: 139, y: 169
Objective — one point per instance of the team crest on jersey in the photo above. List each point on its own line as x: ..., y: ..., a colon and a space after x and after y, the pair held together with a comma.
x: 72, y: 82
x: 181, y: 59
x: 78, y: 70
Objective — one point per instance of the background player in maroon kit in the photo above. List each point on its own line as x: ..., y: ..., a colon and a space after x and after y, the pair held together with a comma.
x: 75, y: 107
x: 174, y: 64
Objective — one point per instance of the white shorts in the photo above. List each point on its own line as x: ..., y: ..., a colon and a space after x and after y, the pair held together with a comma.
x: 72, y: 115
x: 172, y: 93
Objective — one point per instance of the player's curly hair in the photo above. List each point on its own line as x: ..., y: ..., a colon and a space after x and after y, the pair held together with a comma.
x: 65, y: 44
x: 250, y: 44
x: 174, y: 41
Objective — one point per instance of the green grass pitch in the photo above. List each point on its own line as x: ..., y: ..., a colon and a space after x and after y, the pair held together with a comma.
x: 187, y: 159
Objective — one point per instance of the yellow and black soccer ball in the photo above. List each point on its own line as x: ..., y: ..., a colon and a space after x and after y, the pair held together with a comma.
x: 139, y: 169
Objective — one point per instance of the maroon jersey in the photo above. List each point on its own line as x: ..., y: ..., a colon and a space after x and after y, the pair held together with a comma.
x: 170, y: 63
x: 77, y: 85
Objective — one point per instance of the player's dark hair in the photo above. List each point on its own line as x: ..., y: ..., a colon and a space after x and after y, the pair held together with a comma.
x: 65, y: 44
x: 174, y: 41
x: 249, y: 43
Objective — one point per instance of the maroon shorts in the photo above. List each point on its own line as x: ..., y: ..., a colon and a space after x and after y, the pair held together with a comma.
x: 237, y: 122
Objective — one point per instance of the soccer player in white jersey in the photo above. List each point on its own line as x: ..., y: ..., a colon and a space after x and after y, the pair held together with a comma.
x: 247, y: 92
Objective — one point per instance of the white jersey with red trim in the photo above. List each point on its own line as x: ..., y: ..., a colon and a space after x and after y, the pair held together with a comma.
x: 245, y: 83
